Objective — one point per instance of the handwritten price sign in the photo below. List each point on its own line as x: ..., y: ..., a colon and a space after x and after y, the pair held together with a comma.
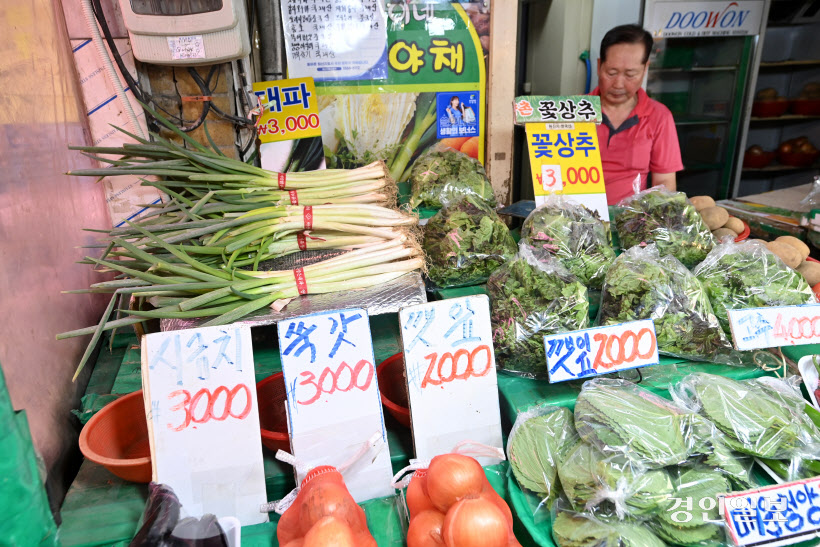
x: 334, y: 406
x: 758, y: 328
x: 601, y: 350
x: 451, y: 375
x: 200, y: 397
x: 778, y: 515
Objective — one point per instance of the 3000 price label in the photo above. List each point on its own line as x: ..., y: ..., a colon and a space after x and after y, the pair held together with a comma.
x: 291, y: 124
x: 343, y: 379
x: 205, y: 405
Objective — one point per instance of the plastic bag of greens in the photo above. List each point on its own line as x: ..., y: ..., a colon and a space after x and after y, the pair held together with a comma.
x: 620, y: 417
x: 533, y: 295
x: 441, y: 177
x: 748, y: 275
x: 465, y: 243
x: 538, y: 444
x: 762, y: 417
x: 572, y: 529
x: 613, y: 486
x: 641, y: 284
x: 574, y: 234
x: 667, y: 219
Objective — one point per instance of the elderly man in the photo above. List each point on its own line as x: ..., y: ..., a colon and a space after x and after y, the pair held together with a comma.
x: 637, y: 136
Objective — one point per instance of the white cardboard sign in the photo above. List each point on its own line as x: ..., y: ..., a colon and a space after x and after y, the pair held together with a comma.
x: 759, y: 328
x: 783, y: 514
x: 334, y: 406
x: 451, y: 375
x: 601, y: 350
x: 186, y: 47
x: 203, y: 419
x: 724, y: 18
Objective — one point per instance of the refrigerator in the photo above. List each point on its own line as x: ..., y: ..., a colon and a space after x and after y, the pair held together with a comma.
x: 702, y: 67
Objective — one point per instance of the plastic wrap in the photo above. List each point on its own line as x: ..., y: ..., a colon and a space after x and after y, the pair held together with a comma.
x: 159, y: 518
x: 441, y: 177
x: 574, y: 234
x: 812, y: 199
x: 572, y: 529
x: 465, y: 243
x: 643, y: 285
x: 619, y: 417
x: 531, y: 296
x: 667, y: 219
x: 762, y: 417
x: 748, y: 275
x: 539, y: 443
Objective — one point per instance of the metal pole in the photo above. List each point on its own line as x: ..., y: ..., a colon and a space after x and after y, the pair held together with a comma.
x: 271, y: 39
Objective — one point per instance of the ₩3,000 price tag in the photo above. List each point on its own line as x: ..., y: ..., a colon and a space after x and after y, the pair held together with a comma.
x: 334, y: 406
x: 759, y: 328
x: 601, y: 350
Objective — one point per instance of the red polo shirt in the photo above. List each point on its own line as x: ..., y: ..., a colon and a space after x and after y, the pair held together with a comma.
x: 645, y: 143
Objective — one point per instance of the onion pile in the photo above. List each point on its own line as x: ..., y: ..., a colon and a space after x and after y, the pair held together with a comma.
x: 452, y: 504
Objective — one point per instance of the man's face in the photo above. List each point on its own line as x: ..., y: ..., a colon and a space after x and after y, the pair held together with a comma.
x: 621, y: 75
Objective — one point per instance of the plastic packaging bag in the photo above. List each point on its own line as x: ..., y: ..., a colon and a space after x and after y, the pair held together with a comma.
x: 761, y: 417
x: 572, y: 529
x: 533, y: 295
x: 574, y: 234
x: 748, y: 275
x: 159, y: 518
x: 441, y: 177
x: 667, y: 219
x: 539, y: 442
x: 643, y: 285
x: 465, y: 243
x: 619, y: 417
x: 812, y: 199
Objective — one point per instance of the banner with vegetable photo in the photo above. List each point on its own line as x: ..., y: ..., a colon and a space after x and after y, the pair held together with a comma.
x: 432, y: 99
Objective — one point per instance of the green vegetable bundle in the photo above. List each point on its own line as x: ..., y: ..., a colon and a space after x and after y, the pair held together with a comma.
x: 539, y: 442
x: 612, y: 485
x: 619, y: 417
x: 571, y: 529
x: 531, y: 296
x: 762, y: 417
x: 575, y: 235
x: 442, y: 177
x: 465, y: 243
x: 643, y: 285
x: 691, y: 527
x: 748, y: 275
x: 667, y: 219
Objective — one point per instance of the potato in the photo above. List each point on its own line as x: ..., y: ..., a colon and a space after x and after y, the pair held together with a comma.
x: 720, y: 233
x: 801, y: 247
x: 786, y: 253
x: 762, y: 242
x: 714, y: 217
x: 702, y: 202
x: 811, y: 271
x: 735, y: 224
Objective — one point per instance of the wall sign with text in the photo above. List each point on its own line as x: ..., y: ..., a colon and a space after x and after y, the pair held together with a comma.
x: 666, y: 19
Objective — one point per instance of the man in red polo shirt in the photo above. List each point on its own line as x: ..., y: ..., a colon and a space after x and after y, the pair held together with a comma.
x: 637, y: 136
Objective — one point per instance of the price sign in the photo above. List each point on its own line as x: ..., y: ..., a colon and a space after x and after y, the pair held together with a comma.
x: 451, y: 375
x: 601, y: 350
x: 203, y: 419
x: 290, y: 110
x: 758, y: 328
x: 783, y: 514
x: 334, y: 406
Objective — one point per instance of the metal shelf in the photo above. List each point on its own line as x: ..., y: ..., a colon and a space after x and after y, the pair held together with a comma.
x: 700, y: 121
x: 780, y: 168
x: 784, y: 118
x: 792, y: 64
x: 694, y: 69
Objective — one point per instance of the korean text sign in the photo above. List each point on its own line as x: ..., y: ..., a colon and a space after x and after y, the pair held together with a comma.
x: 562, y: 109
x: 778, y: 515
x: 200, y: 398
x: 451, y: 374
x: 334, y: 406
x: 757, y: 328
x: 289, y: 110
x: 601, y: 350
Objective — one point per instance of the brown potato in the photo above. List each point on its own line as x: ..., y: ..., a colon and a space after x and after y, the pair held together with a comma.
x: 714, y: 217
x: 735, y: 224
x: 786, y: 253
x: 811, y: 271
x: 720, y: 233
x: 798, y: 244
x: 701, y: 202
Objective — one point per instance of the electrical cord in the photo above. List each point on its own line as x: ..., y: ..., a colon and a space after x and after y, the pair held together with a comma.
x: 204, y: 88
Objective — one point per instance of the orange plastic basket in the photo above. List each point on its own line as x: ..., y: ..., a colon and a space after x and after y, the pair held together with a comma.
x: 273, y: 421
x: 393, y: 388
x: 117, y: 438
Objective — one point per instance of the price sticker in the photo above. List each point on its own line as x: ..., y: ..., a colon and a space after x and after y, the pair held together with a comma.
x: 186, y: 47
x: 200, y: 400
x: 601, y: 350
x: 551, y: 178
x: 334, y: 406
x: 783, y: 514
x: 759, y: 328
x: 451, y: 375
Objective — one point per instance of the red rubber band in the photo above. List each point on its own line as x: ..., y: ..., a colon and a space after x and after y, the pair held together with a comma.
x: 301, y: 282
